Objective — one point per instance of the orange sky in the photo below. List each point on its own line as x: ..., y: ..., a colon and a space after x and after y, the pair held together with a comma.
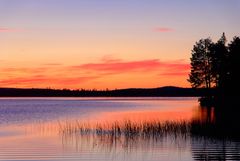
x: 105, y: 44
x: 105, y: 73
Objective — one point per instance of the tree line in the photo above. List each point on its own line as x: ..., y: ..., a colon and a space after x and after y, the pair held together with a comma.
x: 131, y: 92
x: 216, y: 65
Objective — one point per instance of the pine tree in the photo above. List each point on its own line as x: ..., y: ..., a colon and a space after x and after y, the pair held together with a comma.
x: 219, y: 57
x: 201, y: 64
x: 234, y: 66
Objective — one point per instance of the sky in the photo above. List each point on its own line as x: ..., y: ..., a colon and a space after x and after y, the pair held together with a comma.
x: 99, y: 44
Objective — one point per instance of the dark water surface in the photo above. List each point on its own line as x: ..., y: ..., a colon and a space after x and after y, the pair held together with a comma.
x: 30, y: 130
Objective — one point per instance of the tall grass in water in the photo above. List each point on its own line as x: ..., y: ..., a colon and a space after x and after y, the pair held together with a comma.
x: 130, y: 134
x: 127, y: 135
x: 128, y: 128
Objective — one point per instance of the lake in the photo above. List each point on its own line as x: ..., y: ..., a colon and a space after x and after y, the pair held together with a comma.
x: 32, y: 129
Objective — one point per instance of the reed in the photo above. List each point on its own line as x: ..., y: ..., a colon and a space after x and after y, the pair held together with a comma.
x: 127, y: 128
x: 146, y: 133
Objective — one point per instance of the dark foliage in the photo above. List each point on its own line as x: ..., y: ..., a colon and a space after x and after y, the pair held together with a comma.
x: 216, y: 65
x: 133, y: 92
x: 201, y: 64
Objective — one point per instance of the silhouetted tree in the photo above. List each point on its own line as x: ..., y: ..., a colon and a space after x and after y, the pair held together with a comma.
x: 201, y: 64
x: 216, y: 65
x: 233, y: 73
x: 219, y: 57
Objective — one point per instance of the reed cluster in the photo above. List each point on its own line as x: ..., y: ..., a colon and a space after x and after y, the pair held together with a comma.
x: 127, y: 128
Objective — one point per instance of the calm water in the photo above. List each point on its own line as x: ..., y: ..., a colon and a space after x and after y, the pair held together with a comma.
x: 30, y: 130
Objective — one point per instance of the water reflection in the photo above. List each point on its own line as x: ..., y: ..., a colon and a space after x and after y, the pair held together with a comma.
x: 216, y: 134
x: 204, y: 114
x: 210, y: 134
x: 125, y: 144
x: 193, y: 133
x: 211, y: 149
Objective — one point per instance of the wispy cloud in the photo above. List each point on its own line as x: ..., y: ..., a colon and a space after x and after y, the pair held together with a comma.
x: 42, y: 79
x: 58, y: 75
x: 163, y: 29
x: 117, y: 66
x: 5, y: 29
x: 105, y: 66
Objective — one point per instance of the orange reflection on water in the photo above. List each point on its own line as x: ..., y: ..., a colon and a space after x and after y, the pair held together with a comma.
x: 177, y: 114
x: 205, y: 114
x: 44, y: 140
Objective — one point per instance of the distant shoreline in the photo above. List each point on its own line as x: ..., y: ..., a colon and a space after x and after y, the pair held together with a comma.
x: 168, y: 91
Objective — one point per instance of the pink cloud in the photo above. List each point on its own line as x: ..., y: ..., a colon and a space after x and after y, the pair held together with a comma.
x: 164, y: 29
x: 71, y: 76
x: 108, y: 67
x: 119, y: 65
x: 3, y: 29
x: 109, y: 58
x: 41, y: 79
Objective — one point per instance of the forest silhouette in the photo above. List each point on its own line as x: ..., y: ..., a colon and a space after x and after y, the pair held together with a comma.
x: 216, y: 66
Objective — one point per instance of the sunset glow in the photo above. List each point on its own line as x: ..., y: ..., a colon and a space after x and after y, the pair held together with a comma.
x: 106, y: 44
